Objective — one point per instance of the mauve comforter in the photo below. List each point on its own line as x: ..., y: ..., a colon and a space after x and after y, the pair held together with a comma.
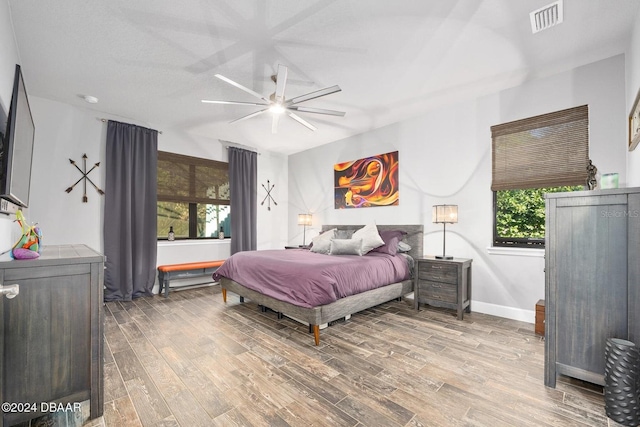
x: 308, y: 279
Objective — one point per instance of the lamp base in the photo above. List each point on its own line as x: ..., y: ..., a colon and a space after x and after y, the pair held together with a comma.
x: 443, y: 257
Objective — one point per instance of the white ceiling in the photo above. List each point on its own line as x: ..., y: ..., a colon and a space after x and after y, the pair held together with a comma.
x: 150, y: 62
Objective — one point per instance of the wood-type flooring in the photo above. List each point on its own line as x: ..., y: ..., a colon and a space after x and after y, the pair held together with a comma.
x: 191, y: 360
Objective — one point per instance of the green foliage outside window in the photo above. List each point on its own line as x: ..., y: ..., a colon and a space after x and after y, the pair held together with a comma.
x: 521, y: 213
x: 209, y: 220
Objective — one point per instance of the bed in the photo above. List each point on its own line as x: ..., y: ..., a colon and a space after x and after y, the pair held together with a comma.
x: 316, y: 315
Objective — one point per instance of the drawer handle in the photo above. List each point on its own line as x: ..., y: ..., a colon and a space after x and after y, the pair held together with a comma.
x: 10, y: 291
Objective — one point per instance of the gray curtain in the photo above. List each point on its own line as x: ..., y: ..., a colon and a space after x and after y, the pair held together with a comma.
x: 243, y: 186
x: 130, y: 210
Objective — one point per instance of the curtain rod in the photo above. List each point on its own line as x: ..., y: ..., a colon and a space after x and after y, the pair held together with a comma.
x: 231, y: 144
x: 235, y: 146
x: 106, y: 120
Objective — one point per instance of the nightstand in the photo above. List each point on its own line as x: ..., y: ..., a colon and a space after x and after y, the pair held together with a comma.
x: 443, y: 283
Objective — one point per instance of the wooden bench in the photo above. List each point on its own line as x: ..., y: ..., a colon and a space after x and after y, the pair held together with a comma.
x: 184, y: 271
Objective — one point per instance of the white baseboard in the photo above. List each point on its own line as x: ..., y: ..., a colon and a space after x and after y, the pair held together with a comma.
x: 528, y: 316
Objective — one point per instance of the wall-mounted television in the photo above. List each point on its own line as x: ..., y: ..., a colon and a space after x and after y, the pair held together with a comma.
x: 16, y: 149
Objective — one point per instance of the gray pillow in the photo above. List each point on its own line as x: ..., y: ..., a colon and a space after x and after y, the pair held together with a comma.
x: 344, y: 234
x: 370, y: 237
x: 322, y: 244
x: 346, y: 247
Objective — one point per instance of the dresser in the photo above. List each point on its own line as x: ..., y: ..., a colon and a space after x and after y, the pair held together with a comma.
x: 443, y: 283
x: 52, y: 332
x: 592, y: 279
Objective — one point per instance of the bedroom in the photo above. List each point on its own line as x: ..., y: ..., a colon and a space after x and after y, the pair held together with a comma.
x: 504, y: 285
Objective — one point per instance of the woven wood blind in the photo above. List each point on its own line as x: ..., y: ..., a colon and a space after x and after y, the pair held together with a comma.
x: 189, y: 179
x: 550, y: 150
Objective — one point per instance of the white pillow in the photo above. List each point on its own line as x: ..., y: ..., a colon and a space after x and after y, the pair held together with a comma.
x: 403, y: 247
x: 322, y: 243
x: 370, y: 237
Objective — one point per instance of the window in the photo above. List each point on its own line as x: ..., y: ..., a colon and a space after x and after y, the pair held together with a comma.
x: 193, y: 197
x: 542, y: 154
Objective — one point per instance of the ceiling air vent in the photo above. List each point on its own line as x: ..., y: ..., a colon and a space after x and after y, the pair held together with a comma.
x: 546, y: 17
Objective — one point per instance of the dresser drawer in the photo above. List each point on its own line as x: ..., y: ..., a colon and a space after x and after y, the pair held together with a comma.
x: 436, y: 291
x: 438, y: 272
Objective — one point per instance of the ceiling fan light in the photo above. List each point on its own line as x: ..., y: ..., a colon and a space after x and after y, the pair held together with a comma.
x: 277, y: 108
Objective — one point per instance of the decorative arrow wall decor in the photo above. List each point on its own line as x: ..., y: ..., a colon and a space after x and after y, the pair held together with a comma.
x: 268, y: 198
x: 84, y: 178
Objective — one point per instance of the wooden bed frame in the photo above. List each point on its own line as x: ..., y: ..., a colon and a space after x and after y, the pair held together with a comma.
x: 343, y: 307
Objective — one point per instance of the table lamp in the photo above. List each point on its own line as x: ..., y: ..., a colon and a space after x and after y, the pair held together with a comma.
x: 304, y: 220
x: 444, y: 214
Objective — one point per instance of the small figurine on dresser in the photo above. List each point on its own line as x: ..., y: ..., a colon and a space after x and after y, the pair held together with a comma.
x: 592, y: 170
x: 30, y: 243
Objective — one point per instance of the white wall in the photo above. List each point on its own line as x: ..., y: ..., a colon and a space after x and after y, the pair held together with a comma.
x: 66, y: 132
x: 633, y: 86
x: 9, y: 232
x: 445, y: 157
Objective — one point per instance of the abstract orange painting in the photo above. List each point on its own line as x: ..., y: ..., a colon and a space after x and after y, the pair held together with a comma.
x: 371, y: 181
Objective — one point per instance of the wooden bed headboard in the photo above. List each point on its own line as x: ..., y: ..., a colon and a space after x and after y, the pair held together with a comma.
x: 414, y: 236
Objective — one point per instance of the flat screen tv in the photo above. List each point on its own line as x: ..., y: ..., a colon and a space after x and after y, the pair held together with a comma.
x: 16, y: 150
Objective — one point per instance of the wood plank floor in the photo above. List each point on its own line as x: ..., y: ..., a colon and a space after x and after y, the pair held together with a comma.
x: 191, y: 360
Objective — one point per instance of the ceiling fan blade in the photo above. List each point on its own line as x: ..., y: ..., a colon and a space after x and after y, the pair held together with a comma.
x: 208, y: 101
x: 313, y: 95
x: 239, y: 86
x: 274, y: 123
x: 281, y: 83
x: 302, y: 121
x: 316, y: 110
x: 248, y: 116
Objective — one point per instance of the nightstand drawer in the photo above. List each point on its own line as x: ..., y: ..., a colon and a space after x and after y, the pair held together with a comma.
x: 444, y: 292
x: 439, y: 272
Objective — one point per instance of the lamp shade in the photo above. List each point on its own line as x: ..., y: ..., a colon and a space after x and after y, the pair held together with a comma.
x: 445, y: 214
x: 304, y: 219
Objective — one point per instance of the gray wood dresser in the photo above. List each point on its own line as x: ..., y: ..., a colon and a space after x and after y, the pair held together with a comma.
x: 592, y: 274
x: 443, y: 283
x: 52, y: 331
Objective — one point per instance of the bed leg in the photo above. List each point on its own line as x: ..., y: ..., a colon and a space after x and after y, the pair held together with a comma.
x: 280, y: 316
x: 316, y: 334
x: 224, y: 295
x: 241, y: 299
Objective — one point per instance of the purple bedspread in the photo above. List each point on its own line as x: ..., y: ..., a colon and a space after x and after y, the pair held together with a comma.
x: 308, y: 279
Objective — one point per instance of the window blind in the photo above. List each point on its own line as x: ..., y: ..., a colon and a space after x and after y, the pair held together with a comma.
x: 192, y: 179
x: 549, y: 150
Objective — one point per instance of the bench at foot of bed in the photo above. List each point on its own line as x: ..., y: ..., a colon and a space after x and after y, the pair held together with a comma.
x: 189, y: 270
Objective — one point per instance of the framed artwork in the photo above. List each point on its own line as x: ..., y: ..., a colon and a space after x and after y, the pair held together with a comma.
x: 634, y: 124
x: 368, y: 182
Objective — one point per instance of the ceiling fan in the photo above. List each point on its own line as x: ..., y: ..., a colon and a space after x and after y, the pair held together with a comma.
x: 277, y: 104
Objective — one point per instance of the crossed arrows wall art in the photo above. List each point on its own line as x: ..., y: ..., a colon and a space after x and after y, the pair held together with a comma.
x: 268, y: 198
x: 84, y: 178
